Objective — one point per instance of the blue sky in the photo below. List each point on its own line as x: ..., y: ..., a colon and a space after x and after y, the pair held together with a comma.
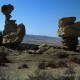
x: 41, y: 17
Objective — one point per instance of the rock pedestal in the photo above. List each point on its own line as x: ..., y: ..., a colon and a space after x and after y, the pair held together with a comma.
x: 69, y: 30
x: 70, y: 43
x: 12, y: 34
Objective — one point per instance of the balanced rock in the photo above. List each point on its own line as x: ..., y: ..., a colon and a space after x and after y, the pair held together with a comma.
x: 7, y: 9
x: 67, y: 27
x: 69, y: 30
x: 12, y: 34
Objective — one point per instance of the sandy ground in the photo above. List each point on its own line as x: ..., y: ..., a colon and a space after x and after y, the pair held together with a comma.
x: 15, y: 71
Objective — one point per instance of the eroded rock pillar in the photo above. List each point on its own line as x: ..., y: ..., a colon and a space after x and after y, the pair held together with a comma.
x: 69, y: 30
x: 13, y: 33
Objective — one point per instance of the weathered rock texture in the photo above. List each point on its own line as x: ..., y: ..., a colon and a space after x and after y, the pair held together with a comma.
x: 13, y: 34
x: 69, y: 30
x: 1, y: 37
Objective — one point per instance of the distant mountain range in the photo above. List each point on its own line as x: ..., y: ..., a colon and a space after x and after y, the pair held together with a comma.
x: 38, y: 39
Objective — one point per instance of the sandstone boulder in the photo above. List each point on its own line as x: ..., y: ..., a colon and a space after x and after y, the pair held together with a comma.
x: 16, y: 36
x: 76, y: 26
x: 66, y: 21
x: 42, y: 48
x: 68, y: 32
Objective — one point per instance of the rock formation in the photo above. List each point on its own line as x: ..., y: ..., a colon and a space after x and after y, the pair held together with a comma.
x: 69, y: 30
x: 1, y: 37
x: 13, y: 34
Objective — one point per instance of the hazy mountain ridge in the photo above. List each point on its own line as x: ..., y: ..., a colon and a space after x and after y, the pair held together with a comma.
x: 39, y: 39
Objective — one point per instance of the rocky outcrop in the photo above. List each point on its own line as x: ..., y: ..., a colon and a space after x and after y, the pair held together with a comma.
x: 1, y: 37
x: 41, y: 48
x: 13, y: 34
x: 69, y: 30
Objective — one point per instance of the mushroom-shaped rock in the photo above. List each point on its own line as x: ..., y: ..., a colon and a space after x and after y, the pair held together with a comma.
x: 69, y: 30
x: 66, y: 21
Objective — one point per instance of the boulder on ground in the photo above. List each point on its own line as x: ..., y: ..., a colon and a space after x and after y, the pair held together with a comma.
x: 42, y: 48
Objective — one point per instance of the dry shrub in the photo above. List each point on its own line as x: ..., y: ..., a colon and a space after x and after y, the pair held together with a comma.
x: 42, y: 65
x: 74, y: 59
x: 23, y: 66
x: 61, y: 63
x: 38, y: 75
x: 51, y: 64
x: 61, y: 54
x: 69, y: 74
x: 57, y: 64
x: 3, y: 58
x: 41, y: 76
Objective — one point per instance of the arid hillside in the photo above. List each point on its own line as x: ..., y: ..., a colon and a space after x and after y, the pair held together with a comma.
x: 38, y: 39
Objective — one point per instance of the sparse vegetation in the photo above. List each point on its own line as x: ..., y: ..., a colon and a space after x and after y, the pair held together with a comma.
x: 61, y: 63
x: 42, y: 65
x: 74, y: 59
x: 69, y: 74
x: 51, y: 64
x: 41, y: 76
x: 57, y: 64
x: 61, y: 54
x: 23, y: 66
x: 51, y: 60
x: 3, y: 58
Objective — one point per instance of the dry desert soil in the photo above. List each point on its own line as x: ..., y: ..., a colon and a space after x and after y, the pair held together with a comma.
x: 35, y: 61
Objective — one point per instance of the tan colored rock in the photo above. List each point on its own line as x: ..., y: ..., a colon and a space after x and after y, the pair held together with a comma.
x: 76, y: 26
x: 42, y: 48
x: 31, y: 51
x: 16, y: 36
x: 9, y: 38
x: 43, y: 45
x: 13, y: 33
x: 21, y: 30
x: 20, y: 33
x: 66, y: 21
x: 68, y: 32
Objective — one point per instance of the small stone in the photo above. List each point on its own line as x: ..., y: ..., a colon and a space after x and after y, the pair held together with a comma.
x: 31, y: 51
x: 42, y: 45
